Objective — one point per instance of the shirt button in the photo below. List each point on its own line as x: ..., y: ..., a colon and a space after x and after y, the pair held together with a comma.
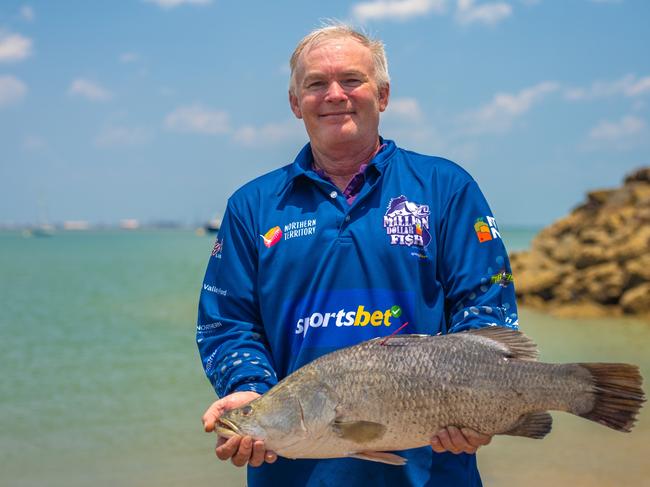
x: 347, y: 218
x: 333, y: 194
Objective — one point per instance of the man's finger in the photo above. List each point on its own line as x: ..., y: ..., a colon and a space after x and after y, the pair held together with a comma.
x: 229, y: 448
x: 459, y: 441
x: 257, y: 457
x: 436, y: 446
x: 475, y: 438
x: 212, y: 414
x: 445, y: 441
x: 241, y: 457
x: 270, y: 456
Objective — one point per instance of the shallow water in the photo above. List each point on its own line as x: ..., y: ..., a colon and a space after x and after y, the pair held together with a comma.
x: 101, y: 383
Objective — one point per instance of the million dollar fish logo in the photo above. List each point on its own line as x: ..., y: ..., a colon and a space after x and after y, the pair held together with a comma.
x: 272, y: 237
x: 407, y: 223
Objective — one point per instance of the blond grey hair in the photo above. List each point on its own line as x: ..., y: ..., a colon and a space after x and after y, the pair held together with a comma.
x: 338, y: 31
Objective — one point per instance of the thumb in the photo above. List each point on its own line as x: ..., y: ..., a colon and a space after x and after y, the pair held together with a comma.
x: 211, y: 415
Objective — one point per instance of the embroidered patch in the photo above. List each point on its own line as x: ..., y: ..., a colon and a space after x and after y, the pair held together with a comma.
x: 407, y: 223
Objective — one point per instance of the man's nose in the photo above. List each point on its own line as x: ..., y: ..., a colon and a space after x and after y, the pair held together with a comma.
x: 335, y: 92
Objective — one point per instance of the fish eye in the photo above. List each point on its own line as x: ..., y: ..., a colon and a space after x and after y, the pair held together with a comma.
x: 246, y: 410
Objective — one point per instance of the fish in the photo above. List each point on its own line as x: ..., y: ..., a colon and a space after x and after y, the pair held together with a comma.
x: 383, y: 395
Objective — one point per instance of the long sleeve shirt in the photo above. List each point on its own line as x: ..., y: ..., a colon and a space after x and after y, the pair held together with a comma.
x: 297, y: 272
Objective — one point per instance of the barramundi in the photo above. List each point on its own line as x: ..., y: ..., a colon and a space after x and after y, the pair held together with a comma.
x: 388, y: 394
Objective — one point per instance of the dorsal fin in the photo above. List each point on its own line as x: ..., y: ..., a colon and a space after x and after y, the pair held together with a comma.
x: 513, y: 342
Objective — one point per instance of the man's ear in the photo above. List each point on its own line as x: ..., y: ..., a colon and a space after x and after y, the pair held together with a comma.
x: 295, y: 106
x: 384, y: 95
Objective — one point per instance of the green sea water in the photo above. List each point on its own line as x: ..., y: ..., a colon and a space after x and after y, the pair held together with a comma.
x: 101, y: 383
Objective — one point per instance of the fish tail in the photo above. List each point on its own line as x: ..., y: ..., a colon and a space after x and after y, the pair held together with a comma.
x: 618, y: 395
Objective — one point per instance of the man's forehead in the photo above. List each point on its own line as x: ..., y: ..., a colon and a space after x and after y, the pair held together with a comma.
x: 355, y: 55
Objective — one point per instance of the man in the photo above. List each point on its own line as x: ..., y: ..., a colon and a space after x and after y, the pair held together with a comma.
x: 354, y: 238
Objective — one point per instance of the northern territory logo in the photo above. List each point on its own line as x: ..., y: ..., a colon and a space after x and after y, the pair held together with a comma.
x: 486, y: 230
x: 407, y: 223
x: 272, y: 237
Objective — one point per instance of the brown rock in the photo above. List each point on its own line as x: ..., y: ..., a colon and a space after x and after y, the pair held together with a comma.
x: 596, y: 260
x: 641, y: 194
x: 605, y: 283
x: 639, y: 269
x: 591, y: 255
x: 634, y: 246
x: 594, y: 236
x: 637, y: 299
x: 540, y: 283
x: 642, y: 174
x: 565, y: 248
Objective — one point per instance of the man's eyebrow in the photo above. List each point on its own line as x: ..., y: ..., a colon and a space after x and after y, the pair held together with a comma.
x: 354, y: 72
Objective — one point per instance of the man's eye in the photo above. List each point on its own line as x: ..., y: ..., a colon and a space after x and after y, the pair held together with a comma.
x: 315, y: 84
x: 352, y: 82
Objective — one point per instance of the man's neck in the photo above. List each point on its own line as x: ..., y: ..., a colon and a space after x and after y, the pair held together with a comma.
x: 341, y: 167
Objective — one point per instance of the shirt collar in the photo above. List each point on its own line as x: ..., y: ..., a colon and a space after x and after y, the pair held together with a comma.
x: 303, y: 163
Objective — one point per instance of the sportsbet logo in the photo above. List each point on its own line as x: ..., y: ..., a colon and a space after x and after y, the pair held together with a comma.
x: 357, y: 317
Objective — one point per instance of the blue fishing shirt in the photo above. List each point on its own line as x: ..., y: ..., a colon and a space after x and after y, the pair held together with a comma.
x: 297, y: 272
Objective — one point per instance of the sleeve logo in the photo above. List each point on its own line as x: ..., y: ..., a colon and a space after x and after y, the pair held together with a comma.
x: 486, y: 231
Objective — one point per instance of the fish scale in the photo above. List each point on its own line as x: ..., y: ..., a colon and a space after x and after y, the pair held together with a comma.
x: 393, y: 394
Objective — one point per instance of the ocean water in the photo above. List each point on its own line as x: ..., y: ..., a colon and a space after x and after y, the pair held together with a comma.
x: 101, y: 384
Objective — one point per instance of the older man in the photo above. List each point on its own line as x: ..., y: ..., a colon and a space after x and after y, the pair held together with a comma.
x: 310, y: 255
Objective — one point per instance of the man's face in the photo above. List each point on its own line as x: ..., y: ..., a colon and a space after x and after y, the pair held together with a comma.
x: 336, y: 94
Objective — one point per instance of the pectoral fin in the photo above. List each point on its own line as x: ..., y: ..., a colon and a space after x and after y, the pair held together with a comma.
x: 533, y: 425
x: 359, y: 431
x: 380, y: 456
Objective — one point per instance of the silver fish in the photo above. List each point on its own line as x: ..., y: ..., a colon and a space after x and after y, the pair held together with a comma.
x: 395, y: 393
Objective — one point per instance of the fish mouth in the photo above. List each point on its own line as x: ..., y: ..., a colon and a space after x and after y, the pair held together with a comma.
x: 227, y: 428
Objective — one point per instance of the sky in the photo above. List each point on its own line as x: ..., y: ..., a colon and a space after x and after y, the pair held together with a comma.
x: 159, y: 109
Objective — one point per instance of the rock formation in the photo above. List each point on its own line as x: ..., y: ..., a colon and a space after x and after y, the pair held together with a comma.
x: 595, y: 261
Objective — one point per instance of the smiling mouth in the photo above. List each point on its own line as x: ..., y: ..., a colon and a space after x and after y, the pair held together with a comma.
x: 227, y: 429
x: 336, y: 114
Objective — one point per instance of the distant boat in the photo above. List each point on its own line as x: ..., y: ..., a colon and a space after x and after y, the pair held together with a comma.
x: 213, y: 226
x: 40, y: 231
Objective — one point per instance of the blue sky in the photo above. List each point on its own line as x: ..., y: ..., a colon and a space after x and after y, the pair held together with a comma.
x: 159, y: 109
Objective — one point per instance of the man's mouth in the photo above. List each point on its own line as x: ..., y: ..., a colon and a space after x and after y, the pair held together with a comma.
x: 226, y: 428
x: 333, y: 114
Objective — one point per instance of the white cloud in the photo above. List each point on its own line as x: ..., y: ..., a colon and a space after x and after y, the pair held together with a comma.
x: 198, y: 119
x: 487, y: 13
x: 498, y: 115
x: 627, y: 127
x: 396, y: 9
x: 404, y: 108
x: 89, y: 90
x: 11, y: 90
x: 27, y: 13
x: 629, y: 85
x: 169, y: 4
x: 14, y: 47
x: 122, y: 136
x: 270, y: 133
x: 129, y: 57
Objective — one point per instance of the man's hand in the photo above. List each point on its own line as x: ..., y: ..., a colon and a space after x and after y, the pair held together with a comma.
x: 240, y: 450
x: 458, y: 441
